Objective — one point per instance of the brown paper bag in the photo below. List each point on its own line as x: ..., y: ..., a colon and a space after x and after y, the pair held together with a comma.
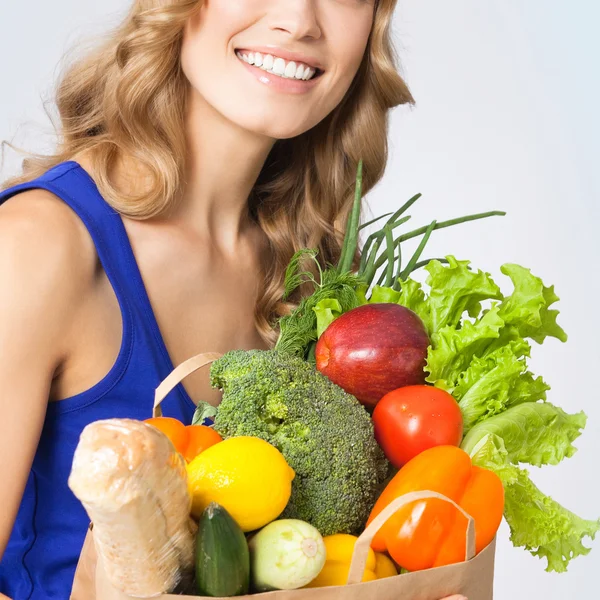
x: 472, y: 578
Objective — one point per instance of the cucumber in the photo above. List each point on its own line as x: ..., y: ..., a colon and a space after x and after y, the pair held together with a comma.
x: 222, y: 556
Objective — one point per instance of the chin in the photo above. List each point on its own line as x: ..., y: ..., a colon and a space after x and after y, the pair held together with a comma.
x: 277, y: 132
x: 281, y: 127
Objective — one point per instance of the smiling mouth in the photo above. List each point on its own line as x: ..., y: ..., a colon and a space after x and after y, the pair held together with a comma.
x: 287, y: 69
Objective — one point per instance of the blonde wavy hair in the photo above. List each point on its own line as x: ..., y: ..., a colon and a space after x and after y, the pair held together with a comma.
x: 126, y: 98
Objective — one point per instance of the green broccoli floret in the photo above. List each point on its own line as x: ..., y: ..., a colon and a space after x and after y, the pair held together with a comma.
x: 325, y: 434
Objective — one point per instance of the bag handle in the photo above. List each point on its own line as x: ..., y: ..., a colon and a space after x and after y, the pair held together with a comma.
x: 361, y: 548
x: 178, y: 374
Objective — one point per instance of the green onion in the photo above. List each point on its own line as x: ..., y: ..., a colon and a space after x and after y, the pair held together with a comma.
x: 373, y: 221
x: 378, y: 235
x: 424, y: 263
x: 415, y: 257
x: 351, y: 238
x: 417, y: 232
x: 396, y: 284
x: 389, y: 271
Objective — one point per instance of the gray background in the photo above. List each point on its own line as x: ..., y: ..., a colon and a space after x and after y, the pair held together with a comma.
x: 506, y: 118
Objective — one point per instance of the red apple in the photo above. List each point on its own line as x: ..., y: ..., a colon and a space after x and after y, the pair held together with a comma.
x: 374, y: 349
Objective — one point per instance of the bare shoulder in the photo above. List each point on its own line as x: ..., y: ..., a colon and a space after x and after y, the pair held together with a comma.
x: 43, y: 241
x: 37, y: 223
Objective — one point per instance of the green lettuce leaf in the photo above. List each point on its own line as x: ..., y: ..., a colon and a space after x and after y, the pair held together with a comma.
x: 383, y: 294
x: 496, y: 381
x: 413, y: 297
x: 537, y: 433
x: 454, y: 290
x: 453, y: 349
x: 537, y: 522
x: 527, y: 307
x: 361, y: 293
x: 543, y: 526
x: 327, y: 311
x: 529, y: 388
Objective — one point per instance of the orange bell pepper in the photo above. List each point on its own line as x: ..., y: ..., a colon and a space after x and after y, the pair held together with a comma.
x: 175, y: 430
x: 189, y: 440
x: 200, y: 437
x: 431, y: 533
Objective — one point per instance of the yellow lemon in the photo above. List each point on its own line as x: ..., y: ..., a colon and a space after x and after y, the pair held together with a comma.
x: 247, y: 476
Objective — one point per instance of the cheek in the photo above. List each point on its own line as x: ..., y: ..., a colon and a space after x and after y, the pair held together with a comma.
x: 195, y: 50
x: 349, y: 44
x: 207, y: 35
x: 350, y: 41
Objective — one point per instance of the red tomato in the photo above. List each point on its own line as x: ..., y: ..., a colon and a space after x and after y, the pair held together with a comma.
x: 414, y: 418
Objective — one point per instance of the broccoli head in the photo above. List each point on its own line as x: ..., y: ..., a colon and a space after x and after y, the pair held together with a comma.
x: 325, y: 434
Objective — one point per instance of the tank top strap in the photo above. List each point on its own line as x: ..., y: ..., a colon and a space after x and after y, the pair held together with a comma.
x: 70, y: 182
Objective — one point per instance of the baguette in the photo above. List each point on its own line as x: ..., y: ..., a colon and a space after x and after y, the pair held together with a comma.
x: 132, y: 483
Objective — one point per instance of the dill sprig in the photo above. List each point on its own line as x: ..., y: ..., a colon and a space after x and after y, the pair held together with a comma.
x: 299, y: 329
x: 294, y: 277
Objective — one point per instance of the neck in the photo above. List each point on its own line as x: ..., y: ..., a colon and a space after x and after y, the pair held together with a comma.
x: 222, y: 165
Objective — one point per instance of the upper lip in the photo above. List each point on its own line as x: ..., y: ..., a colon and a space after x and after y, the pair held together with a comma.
x: 288, y: 55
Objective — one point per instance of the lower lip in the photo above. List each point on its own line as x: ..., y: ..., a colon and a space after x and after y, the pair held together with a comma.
x: 281, y: 84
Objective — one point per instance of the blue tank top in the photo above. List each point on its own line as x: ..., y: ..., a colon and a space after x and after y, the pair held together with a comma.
x: 40, y: 560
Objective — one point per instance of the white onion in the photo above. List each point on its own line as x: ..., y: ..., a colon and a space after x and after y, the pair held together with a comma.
x: 285, y: 555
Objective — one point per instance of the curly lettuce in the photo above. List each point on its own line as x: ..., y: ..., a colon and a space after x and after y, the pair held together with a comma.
x: 537, y: 522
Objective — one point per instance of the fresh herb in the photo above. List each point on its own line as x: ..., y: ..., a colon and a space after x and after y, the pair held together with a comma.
x: 299, y: 329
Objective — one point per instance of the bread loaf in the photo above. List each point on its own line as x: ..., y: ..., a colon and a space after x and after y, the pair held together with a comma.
x: 133, y: 486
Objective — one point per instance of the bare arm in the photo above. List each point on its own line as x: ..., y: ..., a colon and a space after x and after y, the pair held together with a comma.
x: 40, y: 260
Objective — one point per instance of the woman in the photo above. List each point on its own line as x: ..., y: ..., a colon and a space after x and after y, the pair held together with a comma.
x: 200, y: 146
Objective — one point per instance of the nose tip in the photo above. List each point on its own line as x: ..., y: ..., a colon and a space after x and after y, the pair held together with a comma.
x: 299, y: 21
x: 299, y: 32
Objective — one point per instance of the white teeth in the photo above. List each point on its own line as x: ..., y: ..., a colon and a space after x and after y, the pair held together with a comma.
x: 267, y: 62
x: 308, y: 74
x: 290, y: 70
x: 278, y: 66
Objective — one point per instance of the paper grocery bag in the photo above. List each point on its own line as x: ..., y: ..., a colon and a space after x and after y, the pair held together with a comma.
x: 473, y: 578
x: 84, y: 584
